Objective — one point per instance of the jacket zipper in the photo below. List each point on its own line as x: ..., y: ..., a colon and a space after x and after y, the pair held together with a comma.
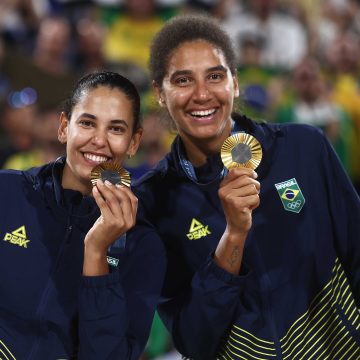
x: 46, y: 294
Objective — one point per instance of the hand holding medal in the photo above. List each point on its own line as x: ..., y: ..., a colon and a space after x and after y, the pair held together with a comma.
x: 239, y: 191
x: 117, y: 204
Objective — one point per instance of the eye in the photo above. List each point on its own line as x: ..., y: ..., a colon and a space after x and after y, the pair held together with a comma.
x: 118, y: 129
x: 182, y: 81
x: 216, y: 77
x: 86, y: 123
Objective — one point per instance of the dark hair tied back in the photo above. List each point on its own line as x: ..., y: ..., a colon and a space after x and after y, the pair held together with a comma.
x: 109, y: 79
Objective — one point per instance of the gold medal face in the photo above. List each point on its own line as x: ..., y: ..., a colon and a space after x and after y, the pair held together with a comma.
x: 112, y: 172
x: 241, y: 150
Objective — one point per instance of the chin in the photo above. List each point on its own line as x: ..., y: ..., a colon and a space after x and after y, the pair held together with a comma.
x: 84, y: 175
x: 207, y: 134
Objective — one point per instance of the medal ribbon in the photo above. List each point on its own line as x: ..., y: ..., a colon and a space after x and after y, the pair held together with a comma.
x: 188, y: 167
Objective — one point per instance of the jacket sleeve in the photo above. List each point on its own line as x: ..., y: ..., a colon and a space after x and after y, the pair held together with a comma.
x: 116, y: 310
x: 196, y: 307
x: 200, y: 313
x: 345, y: 212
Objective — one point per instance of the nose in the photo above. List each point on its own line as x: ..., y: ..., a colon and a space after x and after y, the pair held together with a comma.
x: 201, y: 92
x: 99, y: 138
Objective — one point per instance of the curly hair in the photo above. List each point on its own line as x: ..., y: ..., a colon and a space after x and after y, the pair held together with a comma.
x: 182, y: 29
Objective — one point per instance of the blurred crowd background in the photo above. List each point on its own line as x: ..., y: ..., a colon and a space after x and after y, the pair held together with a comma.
x: 298, y: 61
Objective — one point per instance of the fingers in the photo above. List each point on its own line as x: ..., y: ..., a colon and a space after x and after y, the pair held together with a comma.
x: 240, y: 178
x: 239, y: 193
x: 118, y: 202
x: 100, y: 201
x: 133, y: 199
x: 237, y: 173
x: 241, y: 198
x: 246, y: 189
x: 239, y: 183
x: 250, y: 202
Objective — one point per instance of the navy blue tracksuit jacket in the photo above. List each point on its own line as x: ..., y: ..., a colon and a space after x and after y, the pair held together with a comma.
x: 298, y: 294
x: 48, y: 310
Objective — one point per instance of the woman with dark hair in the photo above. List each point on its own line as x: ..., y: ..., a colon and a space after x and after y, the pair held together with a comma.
x: 69, y: 287
x: 246, y: 279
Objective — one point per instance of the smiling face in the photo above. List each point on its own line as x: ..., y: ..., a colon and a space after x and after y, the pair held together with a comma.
x: 100, y: 129
x: 198, y: 91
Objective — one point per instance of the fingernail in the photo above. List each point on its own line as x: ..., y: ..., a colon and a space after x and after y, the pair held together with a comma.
x: 108, y: 183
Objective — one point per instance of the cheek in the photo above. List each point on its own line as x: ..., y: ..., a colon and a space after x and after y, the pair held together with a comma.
x: 227, y: 96
x: 119, y: 147
x: 177, y: 98
x: 78, y: 134
x: 76, y: 139
x: 228, y: 91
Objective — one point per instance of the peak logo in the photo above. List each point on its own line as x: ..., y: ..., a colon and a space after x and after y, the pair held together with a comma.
x: 197, y: 230
x: 17, y: 237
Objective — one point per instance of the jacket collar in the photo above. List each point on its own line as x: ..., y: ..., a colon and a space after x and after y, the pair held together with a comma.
x: 265, y: 133
x: 47, y: 181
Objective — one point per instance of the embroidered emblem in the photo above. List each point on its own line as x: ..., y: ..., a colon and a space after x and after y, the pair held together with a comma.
x: 290, y: 195
x: 197, y: 230
x: 17, y: 237
x: 112, y: 261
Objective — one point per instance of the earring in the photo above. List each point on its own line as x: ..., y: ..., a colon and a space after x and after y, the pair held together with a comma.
x: 129, y: 156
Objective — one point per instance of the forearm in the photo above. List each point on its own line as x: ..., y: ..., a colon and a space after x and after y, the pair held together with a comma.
x: 95, y: 262
x: 229, y: 252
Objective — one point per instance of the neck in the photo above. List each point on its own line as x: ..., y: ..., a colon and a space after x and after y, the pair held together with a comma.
x: 68, y: 182
x: 198, y: 150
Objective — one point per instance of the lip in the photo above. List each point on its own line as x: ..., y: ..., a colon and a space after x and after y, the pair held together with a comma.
x: 203, y: 119
x: 203, y: 112
x: 97, y: 158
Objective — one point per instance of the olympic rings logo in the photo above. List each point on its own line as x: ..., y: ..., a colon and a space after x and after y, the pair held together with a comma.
x: 294, y: 205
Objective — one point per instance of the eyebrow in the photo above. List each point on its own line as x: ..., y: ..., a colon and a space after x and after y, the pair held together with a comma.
x: 115, y: 121
x: 187, y: 72
x: 217, y: 68
x: 178, y: 73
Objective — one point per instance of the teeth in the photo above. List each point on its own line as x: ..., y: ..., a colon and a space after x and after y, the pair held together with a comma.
x: 95, y: 158
x: 203, y: 112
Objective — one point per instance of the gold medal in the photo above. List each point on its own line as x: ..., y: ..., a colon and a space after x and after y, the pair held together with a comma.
x: 112, y: 172
x: 241, y: 150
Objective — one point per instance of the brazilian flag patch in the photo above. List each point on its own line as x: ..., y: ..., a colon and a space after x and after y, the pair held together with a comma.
x: 291, y: 196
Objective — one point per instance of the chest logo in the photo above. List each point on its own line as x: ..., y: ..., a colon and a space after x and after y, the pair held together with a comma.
x: 197, y: 230
x: 291, y: 196
x: 18, y: 237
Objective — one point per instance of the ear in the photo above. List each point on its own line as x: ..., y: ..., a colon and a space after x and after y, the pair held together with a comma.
x: 159, y: 94
x: 236, y: 85
x: 63, y: 128
x: 135, y: 142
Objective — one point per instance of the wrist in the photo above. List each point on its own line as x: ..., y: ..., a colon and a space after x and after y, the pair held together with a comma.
x: 235, y: 235
x: 93, y: 247
x: 94, y: 254
x: 95, y: 261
